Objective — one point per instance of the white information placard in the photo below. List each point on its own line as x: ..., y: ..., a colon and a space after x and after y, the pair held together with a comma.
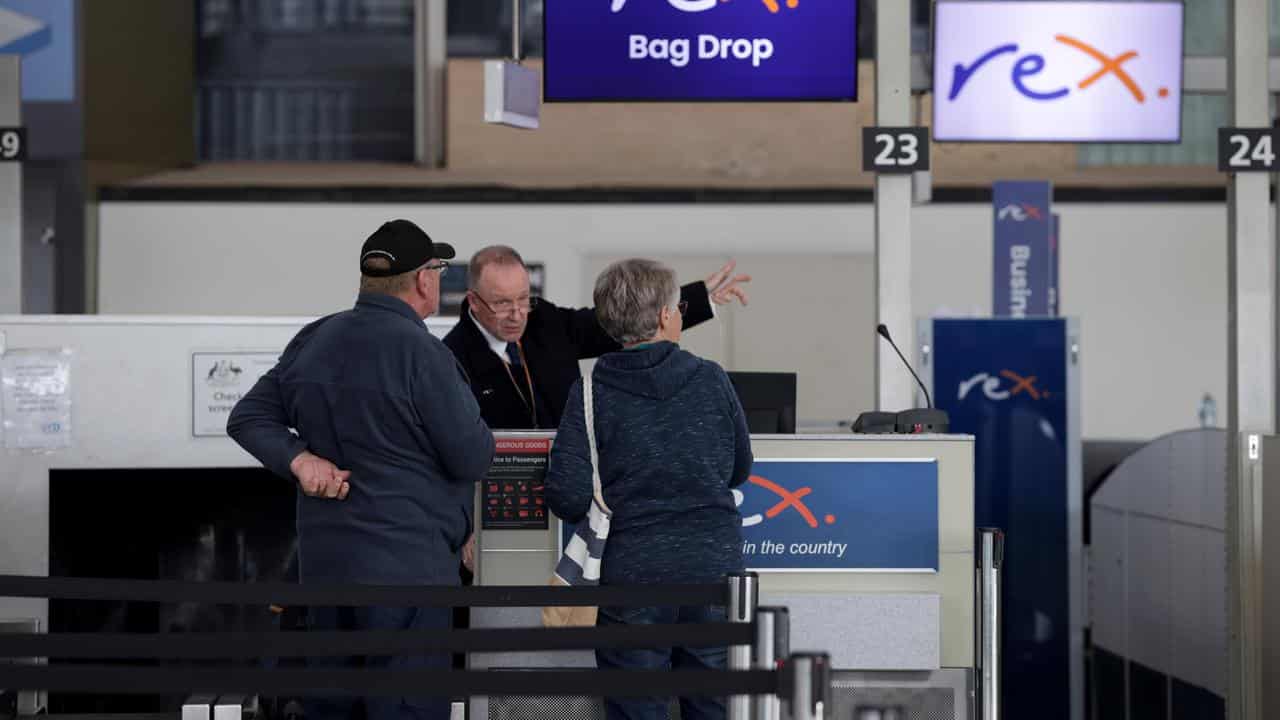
x: 218, y: 381
x: 36, y: 399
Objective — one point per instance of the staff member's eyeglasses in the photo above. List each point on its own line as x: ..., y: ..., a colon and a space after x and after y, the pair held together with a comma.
x: 508, y: 307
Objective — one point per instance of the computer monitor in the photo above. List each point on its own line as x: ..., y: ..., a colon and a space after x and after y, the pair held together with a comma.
x: 769, y: 400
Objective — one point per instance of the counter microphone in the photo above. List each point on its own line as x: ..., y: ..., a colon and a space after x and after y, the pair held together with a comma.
x: 913, y: 421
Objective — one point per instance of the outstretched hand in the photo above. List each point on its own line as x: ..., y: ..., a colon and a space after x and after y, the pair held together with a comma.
x: 723, y: 286
x: 320, y: 478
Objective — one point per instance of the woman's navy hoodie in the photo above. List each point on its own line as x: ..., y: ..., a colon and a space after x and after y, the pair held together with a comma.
x: 672, y: 440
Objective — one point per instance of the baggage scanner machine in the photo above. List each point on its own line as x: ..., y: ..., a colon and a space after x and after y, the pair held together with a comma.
x: 867, y: 539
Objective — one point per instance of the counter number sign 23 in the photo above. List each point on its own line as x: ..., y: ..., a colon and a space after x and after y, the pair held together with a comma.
x: 895, y: 149
x: 13, y: 144
x: 1247, y: 149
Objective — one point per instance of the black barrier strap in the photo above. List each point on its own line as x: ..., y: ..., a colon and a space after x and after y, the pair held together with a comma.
x: 196, y: 646
x: 225, y: 593
x: 388, y: 683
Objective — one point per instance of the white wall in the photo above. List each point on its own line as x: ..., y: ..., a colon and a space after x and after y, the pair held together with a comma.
x: 278, y: 258
x: 1148, y: 281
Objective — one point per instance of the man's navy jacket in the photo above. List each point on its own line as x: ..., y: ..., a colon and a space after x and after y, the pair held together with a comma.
x: 372, y: 391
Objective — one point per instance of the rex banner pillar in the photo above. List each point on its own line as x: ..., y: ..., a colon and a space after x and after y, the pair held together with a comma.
x: 1023, y: 256
x: 1014, y: 386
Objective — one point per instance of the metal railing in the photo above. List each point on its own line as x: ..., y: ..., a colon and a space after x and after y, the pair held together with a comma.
x: 744, y: 597
x: 773, y: 645
x: 296, y: 121
x: 990, y: 558
x: 292, y: 16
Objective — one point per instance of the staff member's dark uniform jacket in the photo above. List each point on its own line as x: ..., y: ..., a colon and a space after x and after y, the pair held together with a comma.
x: 554, y: 341
x: 372, y: 391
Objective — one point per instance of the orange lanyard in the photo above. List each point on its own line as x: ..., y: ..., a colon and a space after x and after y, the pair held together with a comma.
x: 532, y: 402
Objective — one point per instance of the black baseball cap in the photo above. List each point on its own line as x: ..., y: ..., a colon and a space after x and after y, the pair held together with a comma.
x: 405, y: 245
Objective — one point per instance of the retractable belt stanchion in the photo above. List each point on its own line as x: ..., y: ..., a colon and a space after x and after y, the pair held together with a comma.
x: 807, y: 691
x: 773, y: 643
x: 807, y: 682
x: 990, y: 558
x: 744, y: 596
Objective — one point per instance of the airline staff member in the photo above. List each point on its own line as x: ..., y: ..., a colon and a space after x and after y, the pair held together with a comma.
x: 521, y: 353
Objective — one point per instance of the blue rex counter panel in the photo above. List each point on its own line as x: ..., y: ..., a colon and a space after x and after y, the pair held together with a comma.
x: 837, y: 515
x: 1005, y: 382
x: 700, y: 50
x: 840, y: 515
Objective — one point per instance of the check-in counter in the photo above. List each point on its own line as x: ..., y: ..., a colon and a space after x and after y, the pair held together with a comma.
x: 867, y: 539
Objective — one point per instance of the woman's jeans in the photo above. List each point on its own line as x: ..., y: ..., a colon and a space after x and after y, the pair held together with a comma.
x: 655, y: 708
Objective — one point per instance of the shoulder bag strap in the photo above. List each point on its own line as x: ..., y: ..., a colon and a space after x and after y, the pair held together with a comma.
x: 588, y: 411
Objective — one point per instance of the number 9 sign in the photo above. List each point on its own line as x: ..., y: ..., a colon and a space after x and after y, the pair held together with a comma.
x: 13, y: 144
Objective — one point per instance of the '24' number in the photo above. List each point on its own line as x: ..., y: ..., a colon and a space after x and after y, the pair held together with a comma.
x: 1263, y: 154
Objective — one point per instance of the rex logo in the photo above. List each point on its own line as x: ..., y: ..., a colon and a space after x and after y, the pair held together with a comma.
x: 993, y: 387
x: 787, y: 499
x: 1030, y: 64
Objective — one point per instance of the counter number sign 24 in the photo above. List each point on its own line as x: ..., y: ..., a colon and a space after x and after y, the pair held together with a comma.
x: 1248, y: 149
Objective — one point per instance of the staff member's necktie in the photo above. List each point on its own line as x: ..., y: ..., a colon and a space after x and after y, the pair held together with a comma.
x: 515, y: 366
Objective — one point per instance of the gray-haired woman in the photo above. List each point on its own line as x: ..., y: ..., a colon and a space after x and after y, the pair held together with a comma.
x: 672, y: 440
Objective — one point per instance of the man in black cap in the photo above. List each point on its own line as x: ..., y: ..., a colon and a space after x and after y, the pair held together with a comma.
x: 389, y: 443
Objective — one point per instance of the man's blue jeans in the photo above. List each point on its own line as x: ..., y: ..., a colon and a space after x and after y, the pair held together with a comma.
x: 379, y: 708
x: 655, y: 708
